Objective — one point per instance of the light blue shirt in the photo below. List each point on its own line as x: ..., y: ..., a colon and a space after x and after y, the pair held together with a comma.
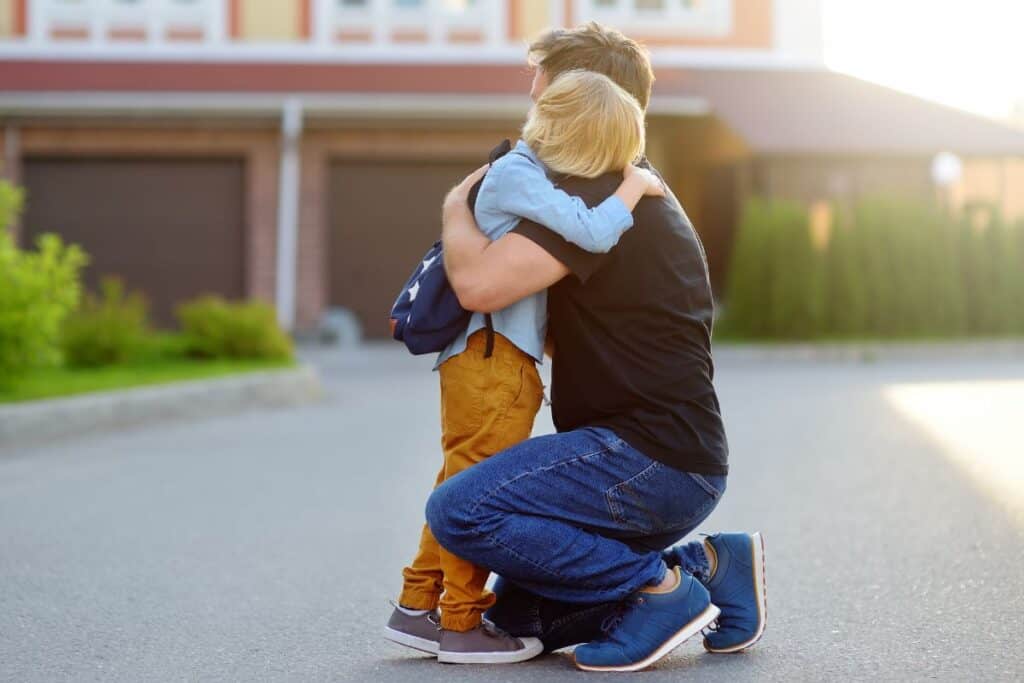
x: 517, y: 187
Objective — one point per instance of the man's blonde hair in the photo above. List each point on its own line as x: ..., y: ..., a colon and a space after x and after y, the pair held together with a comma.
x: 595, y: 48
x: 585, y: 125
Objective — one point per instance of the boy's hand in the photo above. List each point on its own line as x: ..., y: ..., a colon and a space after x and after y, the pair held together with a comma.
x: 654, y: 187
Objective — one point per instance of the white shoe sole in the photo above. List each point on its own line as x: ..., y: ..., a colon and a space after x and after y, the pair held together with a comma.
x: 408, y: 640
x: 531, y: 648
x: 698, y: 624
x: 761, y: 594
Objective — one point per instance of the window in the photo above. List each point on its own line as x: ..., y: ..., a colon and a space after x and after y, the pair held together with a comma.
x: 128, y: 20
x: 651, y: 17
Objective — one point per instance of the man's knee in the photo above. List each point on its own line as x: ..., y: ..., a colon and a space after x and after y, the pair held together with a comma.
x: 448, y: 515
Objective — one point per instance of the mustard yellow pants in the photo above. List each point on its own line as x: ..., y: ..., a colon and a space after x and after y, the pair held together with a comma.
x: 487, y: 405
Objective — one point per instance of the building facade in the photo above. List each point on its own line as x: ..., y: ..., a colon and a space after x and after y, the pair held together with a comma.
x: 298, y: 150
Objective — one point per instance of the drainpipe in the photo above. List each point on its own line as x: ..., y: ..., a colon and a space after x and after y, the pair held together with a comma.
x: 288, y: 211
x: 10, y: 168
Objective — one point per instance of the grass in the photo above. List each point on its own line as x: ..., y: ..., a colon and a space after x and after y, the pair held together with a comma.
x: 63, y: 381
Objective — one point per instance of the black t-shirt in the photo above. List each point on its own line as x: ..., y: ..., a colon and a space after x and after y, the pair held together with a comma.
x: 632, y: 334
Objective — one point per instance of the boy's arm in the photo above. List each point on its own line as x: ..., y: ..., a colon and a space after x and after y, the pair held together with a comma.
x: 523, y: 189
x: 488, y: 276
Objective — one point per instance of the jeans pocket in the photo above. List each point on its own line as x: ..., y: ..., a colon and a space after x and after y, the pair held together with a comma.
x: 660, y: 499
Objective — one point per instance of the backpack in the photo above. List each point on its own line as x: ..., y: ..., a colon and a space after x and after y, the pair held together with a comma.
x: 427, y: 315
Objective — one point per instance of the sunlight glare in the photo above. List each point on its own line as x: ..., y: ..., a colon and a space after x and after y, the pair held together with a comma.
x: 965, y: 54
x: 978, y: 425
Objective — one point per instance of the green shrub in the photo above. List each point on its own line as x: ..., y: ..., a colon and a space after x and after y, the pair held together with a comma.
x: 775, y: 282
x: 38, y: 289
x: 106, y: 330
x: 846, y: 298
x: 163, y: 346
x: 992, y: 267
x: 907, y: 270
x: 1015, y: 253
x: 891, y: 269
x: 215, y: 328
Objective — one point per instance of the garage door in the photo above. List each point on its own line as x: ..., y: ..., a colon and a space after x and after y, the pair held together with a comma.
x: 170, y: 228
x: 384, y: 216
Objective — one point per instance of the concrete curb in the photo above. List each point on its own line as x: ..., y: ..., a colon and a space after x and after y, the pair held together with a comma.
x: 868, y: 352
x: 51, y: 419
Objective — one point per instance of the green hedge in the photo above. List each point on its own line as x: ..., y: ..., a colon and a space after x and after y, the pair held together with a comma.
x: 215, y: 328
x: 38, y: 289
x: 108, y: 329
x: 775, y: 287
x: 889, y: 269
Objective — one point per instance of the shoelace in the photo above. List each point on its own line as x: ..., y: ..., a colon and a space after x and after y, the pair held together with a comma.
x: 492, y: 629
x: 612, y: 621
x: 711, y: 628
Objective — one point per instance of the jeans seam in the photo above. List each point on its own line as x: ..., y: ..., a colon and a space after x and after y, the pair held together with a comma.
x: 568, y: 461
x: 706, y: 485
x: 699, y: 513
x: 614, y: 508
x: 479, y: 501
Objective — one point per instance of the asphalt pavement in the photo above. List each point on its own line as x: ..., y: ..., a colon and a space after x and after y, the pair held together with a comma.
x: 266, y: 546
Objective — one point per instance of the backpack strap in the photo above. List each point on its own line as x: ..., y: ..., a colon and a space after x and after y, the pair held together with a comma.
x: 501, y: 150
x: 489, y: 349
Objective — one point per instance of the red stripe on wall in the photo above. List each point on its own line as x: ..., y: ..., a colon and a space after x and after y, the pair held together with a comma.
x: 127, y: 33
x: 37, y: 76
x: 20, y: 17
x: 465, y: 37
x: 305, y: 20
x: 234, y: 18
x: 513, y: 19
x: 69, y: 33
x: 409, y: 36
x: 353, y: 36
x: 569, y: 19
x: 184, y: 34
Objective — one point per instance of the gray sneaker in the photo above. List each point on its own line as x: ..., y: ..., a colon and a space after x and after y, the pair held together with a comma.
x: 486, y: 644
x: 421, y: 632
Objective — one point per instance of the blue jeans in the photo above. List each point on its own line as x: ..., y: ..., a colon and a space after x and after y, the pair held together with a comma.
x: 576, y: 519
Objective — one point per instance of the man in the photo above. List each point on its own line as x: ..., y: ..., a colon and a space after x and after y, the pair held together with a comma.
x: 575, y: 522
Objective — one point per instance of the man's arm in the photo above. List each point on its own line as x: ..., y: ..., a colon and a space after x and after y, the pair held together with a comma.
x: 488, y: 276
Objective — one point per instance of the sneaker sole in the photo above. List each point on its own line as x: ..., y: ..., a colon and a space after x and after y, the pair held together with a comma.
x: 408, y: 640
x: 698, y: 624
x: 761, y: 591
x: 531, y: 648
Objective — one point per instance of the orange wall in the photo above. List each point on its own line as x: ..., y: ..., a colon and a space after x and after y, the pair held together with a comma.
x: 263, y: 21
x: 12, y: 18
x: 996, y: 181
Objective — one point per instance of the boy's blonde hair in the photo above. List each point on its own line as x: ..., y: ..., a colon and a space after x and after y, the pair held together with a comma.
x: 585, y: 125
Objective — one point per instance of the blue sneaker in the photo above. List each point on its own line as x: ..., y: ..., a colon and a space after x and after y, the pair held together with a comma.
x: 649, y: 626
x: 738, y: 588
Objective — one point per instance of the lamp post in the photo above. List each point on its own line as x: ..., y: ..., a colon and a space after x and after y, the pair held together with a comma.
x: 947, y: 171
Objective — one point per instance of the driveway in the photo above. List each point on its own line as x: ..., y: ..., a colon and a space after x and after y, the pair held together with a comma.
x: 266, y: 546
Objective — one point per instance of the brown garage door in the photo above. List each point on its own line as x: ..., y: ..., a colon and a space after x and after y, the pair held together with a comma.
x: 384, y: 216
x: 170, y: 228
